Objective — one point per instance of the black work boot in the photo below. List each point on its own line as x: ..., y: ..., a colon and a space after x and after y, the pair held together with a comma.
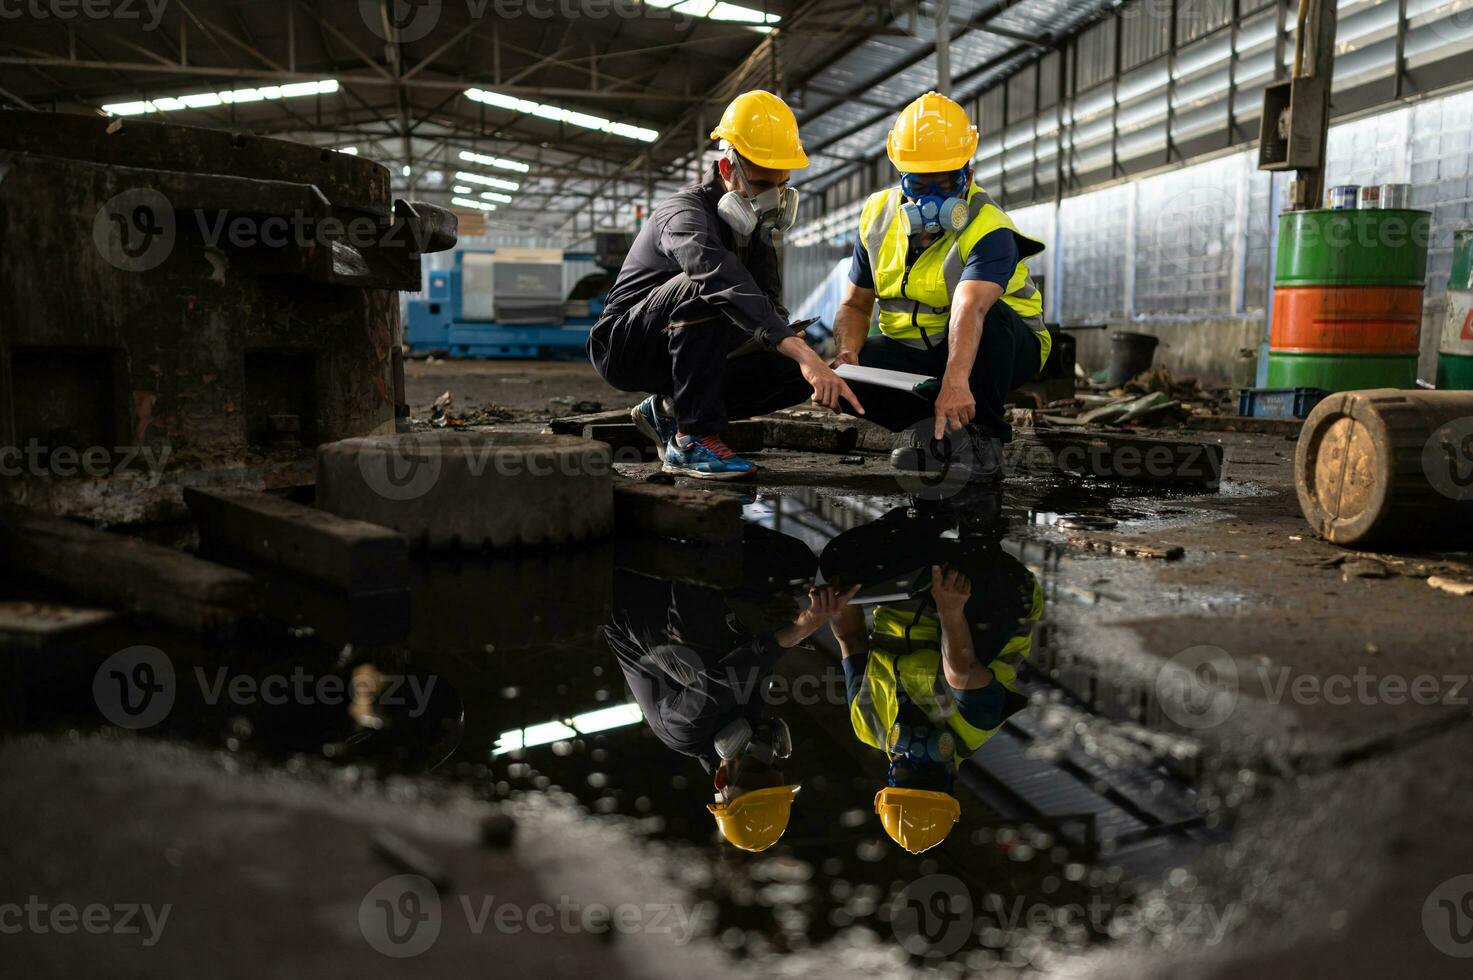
x: 970, y: 455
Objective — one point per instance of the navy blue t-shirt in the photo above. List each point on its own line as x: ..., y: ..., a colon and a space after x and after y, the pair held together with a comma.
x: 993, y: 259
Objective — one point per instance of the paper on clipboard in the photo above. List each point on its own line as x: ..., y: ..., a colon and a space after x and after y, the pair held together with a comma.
x: 918, y: 384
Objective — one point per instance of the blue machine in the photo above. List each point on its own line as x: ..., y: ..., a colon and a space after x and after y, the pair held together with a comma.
x: 452, y: 322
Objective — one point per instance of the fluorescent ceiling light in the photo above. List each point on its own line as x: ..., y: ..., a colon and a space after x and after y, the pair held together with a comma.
x: 602, y: 720
x: 605, y: 718
x: 352, y: 151
x: 462, y: 189
x: 733, y: 13
x: 543, y: 734
x: 206, y: 100
x: 490, y: 161
x: 470, y: 202
x: 484, y: 181
x: 559, y: 114
x: 493, y: 196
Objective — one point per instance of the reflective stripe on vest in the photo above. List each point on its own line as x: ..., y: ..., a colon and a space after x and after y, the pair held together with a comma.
x: 915, y: 300
x: 917, y: 662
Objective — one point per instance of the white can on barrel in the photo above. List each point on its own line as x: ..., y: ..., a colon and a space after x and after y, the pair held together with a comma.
x: 1370, y: 196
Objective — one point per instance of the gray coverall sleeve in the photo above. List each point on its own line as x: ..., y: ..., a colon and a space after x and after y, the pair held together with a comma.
x: 693, y: 244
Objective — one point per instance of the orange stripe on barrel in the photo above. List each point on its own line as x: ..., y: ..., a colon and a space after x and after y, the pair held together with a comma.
x: 1347, y: 319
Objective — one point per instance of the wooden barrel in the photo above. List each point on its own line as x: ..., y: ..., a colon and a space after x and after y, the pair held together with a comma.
x: 1348, y: 299
x: 1388, y: 468
x: 1455, y: 353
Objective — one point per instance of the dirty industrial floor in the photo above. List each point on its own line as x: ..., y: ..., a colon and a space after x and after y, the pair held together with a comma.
x: 1307, y: 819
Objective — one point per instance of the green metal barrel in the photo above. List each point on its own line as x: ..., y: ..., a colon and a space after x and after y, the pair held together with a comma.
x: 1455, y: 353
x: 1348, y: 249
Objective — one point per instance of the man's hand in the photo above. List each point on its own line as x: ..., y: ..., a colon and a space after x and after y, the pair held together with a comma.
x: 955, y: 407
x: 950, y: 589
x: 828, y: 387
x: 824, y: 603
x: 850, y: 630
x: 844, y: 357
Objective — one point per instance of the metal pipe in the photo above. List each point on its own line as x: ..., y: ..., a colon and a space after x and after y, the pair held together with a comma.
x: 943, y: 47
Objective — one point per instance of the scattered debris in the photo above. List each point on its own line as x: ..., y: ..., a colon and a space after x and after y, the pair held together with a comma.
x: 661, y: 477
x: 1455, y: 586
x: 440, y: 411
x: 1363, y: 568
x: 442, y: 414
x: 587, y: 407
x: 1127, y: 549
x: 485, y: 415
x: 852, y: 460
x: 1158, y: 379
x: 1407, y: 567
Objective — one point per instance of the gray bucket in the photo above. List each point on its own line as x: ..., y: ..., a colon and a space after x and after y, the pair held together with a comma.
x: 1130, y: 354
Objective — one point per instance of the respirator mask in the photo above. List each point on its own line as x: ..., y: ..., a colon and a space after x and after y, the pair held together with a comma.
x: 938, y: 205
x: 927, y: 757
x: 775, y: 208
x: 769, y: 742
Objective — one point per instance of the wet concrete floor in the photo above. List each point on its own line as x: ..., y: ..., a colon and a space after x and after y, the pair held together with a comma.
x: 1145, y: 808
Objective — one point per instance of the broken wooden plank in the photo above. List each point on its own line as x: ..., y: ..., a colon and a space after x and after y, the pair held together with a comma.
x: 124, y: 572
x: 676, y: 512
x: 1117, y: 456
x: 354, y: 556
x: 572, y: 425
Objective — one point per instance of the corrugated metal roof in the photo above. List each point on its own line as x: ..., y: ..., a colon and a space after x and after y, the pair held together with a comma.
x: 894, y: 69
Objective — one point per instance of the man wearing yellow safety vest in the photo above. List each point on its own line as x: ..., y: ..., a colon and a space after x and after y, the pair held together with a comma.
x: 950, y: 273
x: 934, y: 676
x: 697, y: 661
x: 701, y: 285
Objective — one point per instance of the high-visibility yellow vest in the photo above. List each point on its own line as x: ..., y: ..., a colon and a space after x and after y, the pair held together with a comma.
x: 915, y: 302
x: 906, y: 653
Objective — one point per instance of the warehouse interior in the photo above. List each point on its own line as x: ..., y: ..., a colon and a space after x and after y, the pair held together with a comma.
x: 902, y: 489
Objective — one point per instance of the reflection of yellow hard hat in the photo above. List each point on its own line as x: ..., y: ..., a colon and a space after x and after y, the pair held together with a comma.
x: 764, y: 130
x: 916, y: 819
x: 755, y: 820
x: 931, y: 135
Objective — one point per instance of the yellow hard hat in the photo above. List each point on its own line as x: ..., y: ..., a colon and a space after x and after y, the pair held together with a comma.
x: 916, y: 819
x: 931, y: 135
x: 755, y: 820
x: 764, y: 130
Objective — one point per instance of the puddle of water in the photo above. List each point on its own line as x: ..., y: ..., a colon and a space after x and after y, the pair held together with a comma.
x: 607, y: 673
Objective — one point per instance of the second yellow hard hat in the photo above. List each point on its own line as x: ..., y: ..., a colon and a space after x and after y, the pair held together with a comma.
x: 931, y: 135
x: 916, y: 819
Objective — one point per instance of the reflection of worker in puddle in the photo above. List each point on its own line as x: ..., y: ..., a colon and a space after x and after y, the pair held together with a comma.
x: 699, y: 670
x: 933, y: 674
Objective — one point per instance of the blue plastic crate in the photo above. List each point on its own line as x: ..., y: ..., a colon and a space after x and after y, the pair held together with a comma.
x: 1278, y: 403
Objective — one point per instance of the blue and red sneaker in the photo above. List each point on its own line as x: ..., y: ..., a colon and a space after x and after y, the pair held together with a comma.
x: 705, y: 458
x: 649, y: 420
